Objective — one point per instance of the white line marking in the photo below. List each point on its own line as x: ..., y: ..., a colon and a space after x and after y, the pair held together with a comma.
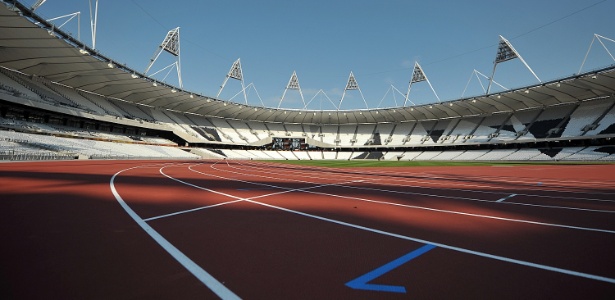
x: 409, y: 206
x: 507, y: 197
x: 214, y: 285
x: 190, y: 210
x: 456, y: 197
x: 434, y: 181
x: 239, y: 199
x: 458, y: 249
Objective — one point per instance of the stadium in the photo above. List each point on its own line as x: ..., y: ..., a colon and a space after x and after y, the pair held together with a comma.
x: 119, y: 184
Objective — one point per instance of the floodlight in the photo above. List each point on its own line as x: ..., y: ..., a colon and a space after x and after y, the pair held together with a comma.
x: 133, y: 75
x: 173, y: 91
x: 155, y: 84
x: 110, y: 65
x: 83, y: 51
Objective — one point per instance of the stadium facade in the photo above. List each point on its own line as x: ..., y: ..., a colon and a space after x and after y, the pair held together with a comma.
x: 60, y: 98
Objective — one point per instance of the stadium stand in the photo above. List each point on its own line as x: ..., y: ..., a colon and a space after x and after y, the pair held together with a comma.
x: 50, y: 115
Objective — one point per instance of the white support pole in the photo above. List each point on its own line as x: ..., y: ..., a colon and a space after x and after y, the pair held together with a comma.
x: 432, y: 89
x: 93, y: 22
x: 596, y: 37
x: 408, y: 94
x: 475, y: 73
x: 495, y: 64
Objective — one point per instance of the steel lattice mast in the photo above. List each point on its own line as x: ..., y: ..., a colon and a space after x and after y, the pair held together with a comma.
x: 171, y: 45
x: 507, y: 52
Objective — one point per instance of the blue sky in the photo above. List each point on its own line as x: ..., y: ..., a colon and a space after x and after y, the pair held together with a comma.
x: 323, y: 41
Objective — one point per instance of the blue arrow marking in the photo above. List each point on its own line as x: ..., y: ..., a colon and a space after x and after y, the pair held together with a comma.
x: 362, y: 282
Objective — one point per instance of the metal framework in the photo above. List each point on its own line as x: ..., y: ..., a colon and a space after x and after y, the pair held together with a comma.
x: 506, y: 52
x: 171, y: 45
x: 293, y: 84
x: 476, y: 73
x: 351, y: 85
x: 322, y: 93
x: 235, y: 73
x: 392, y: 89
x: 417, y: 76
x: 37, y: 4
x: 599, y: 38
x: 247, y: 88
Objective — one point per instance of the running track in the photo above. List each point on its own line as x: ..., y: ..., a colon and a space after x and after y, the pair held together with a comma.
x: 255, y: 230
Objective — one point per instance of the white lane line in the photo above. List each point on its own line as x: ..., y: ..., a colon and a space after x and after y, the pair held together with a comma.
x: 190, y: 210
x: 507, y: 197
x: 456, y: 197
x: 410, y: 206
x: 431, y: 181
x: 239, y: 199
x: 454, y: 248
x: 458, y: 249
x: 212, y: 283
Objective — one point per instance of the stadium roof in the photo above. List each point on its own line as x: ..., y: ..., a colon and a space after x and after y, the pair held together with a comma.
x: 33, y: 46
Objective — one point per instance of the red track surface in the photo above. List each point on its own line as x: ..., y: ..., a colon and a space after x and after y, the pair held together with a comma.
x: 272, y: 231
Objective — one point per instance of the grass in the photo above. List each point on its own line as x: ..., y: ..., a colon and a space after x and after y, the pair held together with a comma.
x: 388, y: 163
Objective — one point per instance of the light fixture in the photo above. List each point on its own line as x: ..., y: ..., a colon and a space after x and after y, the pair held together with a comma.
x: 225, y: 104
x: 133, y: 75
x: 558, y: 84
x: 173, y: 91
x: 450, y: 104
x: 594, y: 77
x: 208, y: 100
x: 527, y: 91
x: 473, y: 100
x: 83, y: 51
x: 155, y: 84
x: 191, y: 96
x: 110, y: 65
x: 499, y: 96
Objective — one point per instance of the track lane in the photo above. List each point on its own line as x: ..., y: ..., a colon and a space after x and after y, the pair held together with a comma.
x: 229, y: 207
x: 328, y: 205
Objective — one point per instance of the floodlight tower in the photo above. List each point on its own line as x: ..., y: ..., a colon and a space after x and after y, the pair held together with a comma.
x: 293, y: 84
x: 170, y: 44
x: 351, y: 85
x: 507, y: 52
x: 235, y: 73
x: 417, y: 76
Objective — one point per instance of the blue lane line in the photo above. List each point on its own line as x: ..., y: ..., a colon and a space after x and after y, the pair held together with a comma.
x: 362, y: 282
